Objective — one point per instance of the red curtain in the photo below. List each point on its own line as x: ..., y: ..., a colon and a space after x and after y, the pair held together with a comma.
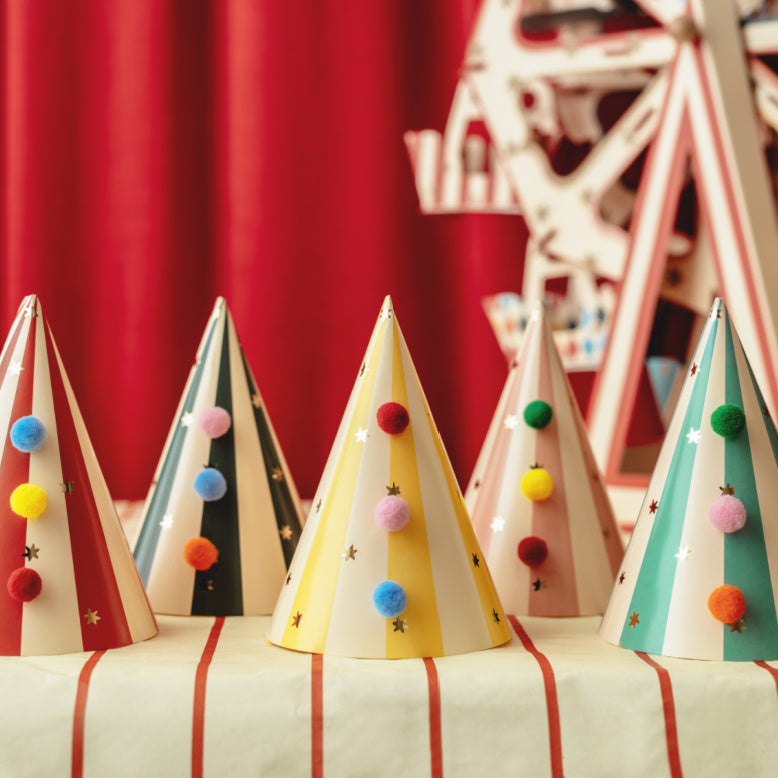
x: 156, y: 154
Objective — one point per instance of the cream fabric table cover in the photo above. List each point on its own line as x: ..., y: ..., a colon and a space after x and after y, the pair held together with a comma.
x: 210, y: 697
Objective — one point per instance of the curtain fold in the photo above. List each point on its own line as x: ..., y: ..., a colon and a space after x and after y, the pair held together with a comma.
x: 156, y: 154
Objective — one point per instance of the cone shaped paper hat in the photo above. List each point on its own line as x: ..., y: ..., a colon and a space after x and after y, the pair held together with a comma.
x: 222, y: 518
x: 700, y: 575
x: 388, y: 565
x: 71, y: 583
x: 537, y: 502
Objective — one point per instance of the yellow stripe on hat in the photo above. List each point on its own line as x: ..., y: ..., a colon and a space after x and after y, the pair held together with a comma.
x: 409, y: 561
x: 316, y: 592
x: 490, y: 602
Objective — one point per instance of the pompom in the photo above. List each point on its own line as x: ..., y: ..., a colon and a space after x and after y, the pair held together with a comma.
x: 28, y: 500
x: 728, y: 420
x: 538, y: 414
x: 389, y: 599
x: 727, y: 513
x: 537, y: 484
x: 28, y: 434
x: 215, y: 422
x: 24, y: 584
x: 727, y: 604
x: 200, y: 553
x: 392, y: 513
x: 533, y: 551
x: 392, y: 418
x: 210, y: 484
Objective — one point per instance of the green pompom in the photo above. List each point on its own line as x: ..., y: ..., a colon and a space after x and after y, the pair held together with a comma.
x: 538, y: 414
x: 728, y: 420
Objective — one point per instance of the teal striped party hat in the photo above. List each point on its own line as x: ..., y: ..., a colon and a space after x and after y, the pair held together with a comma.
x: 699, y: 578
x: 222, y: 518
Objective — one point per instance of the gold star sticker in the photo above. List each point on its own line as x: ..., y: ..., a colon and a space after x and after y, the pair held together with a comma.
x: 256, y: 400
x: 286, y: 532
x: 606, y: 533
x: 296, y: 619
x: 400, y: 625
x: 536, y: 466
x: 634, y: 620
x: 16, y: 368
x: 727, y: 489
x: 511, y: 422
x: 738, y: 626
x: 91, y: 617
x: 715, y: 314
x: 622, y: 577
x: 361, y: 435
x: 363, y: 369
x: 67, y: 487
x: 318, y: 505
x: 694, y: 368
x: 386, y: 313
x: 495, y: 616
x: 277, y: 474
x: 31, y: 312
x: 654, y: 505
x: 288, y: 579
x: 476, y: 560
x: 537, y: 585
x: 393, y: 489
x: 349, y: 553
x: 187, y: 420
x: 31, y: 552
x: 167, y: 521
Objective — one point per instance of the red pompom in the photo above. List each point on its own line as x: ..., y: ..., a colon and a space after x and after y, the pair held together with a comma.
x: 200, y: 553
x: 533, y: 551
x: 392, y: 418
x: 24, y: 584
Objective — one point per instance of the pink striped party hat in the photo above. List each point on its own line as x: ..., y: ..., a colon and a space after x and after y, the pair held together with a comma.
x: 536, y: 498
x: 71, y: 583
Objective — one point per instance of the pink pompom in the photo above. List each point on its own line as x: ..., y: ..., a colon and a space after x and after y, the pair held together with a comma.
x: 727, y: 513
x: 215, y: 422
x: 392, y: 513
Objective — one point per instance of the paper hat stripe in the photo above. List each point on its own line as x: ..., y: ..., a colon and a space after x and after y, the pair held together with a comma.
x: 14, y: 470
x: 95, y: 583
x: 459, y: 582
x: 326, y: 605
x: 281, y: 494
x: 315, y: 593
x: 677, y: 558
x: 220, y: 517
x: 164, y: 478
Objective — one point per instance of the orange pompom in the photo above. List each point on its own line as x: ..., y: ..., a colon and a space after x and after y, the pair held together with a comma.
x: 727, y: 604
x: 200, y: 553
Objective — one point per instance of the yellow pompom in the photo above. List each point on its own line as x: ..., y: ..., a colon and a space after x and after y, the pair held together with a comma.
x: 537, y: 484
x: 28, y: 501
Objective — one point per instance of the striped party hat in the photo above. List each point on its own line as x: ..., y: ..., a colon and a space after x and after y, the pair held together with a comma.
x: 222, y: 517
x: 538, y: 504
x: 700, y: 575
x: 71, y: 583
x: 388, y: 565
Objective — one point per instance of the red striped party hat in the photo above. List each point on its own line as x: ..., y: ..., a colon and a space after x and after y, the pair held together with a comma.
x: 71, y: 583
x: 222, y: 518
x: 536, y: 498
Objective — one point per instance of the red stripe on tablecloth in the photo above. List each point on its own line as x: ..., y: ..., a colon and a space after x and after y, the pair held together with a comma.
x: 668, y: 706
x: 77, y: 754
x: 198, y: 715
x: 317, y: 716
x: 772, y: 670
x: 436, y: 740
x: 552, y: 703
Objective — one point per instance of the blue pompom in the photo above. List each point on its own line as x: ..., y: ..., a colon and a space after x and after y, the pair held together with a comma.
x: 210, y: 484
x: 389, y: 599
x: 28, y: 434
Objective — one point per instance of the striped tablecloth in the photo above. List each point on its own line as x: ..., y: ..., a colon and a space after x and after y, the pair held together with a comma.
x: 210, y: 697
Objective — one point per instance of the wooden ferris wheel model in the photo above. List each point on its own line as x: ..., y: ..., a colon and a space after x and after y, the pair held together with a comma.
x: 706, y: 103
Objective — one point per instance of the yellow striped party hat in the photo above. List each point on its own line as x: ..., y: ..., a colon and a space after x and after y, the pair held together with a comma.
x: 388, y: 565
